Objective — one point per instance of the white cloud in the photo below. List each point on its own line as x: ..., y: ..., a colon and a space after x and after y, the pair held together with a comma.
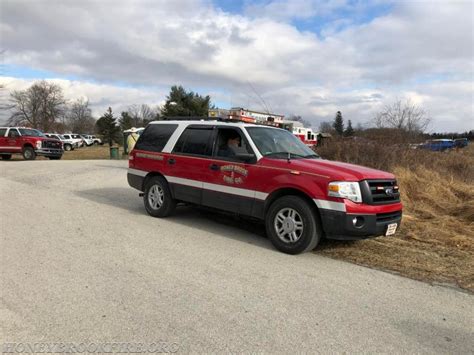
x: 157, y: 44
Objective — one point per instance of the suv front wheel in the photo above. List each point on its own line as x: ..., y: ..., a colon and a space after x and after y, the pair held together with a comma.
x: 157, y: 197
x: 292, y: 225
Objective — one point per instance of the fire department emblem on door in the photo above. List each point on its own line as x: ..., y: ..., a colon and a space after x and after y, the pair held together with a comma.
x: 234, y: 174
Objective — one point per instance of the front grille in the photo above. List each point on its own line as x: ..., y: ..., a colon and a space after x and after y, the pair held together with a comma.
x: 390, y: 216
x: 52, y: 144
x: 379, y: 192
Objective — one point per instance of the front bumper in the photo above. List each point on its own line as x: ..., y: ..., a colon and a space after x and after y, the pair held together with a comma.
x: 340, y: 225
x: 49, y: 152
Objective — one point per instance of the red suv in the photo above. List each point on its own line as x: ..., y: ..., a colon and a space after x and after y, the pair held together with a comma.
x: 28, y: 142
x: 266, y: 173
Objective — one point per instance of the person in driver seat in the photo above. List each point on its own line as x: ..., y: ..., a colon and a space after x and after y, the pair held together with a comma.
x: 231, y: 146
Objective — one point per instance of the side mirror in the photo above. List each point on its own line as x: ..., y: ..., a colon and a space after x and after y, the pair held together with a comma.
x: 246, y: 157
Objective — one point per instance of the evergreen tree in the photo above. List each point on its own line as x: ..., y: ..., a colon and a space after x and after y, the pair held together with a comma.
x: 349, y: 130
x: 126, y: 121
x: 183, y: 103
x: 339, y: 123
x: 107, y: 127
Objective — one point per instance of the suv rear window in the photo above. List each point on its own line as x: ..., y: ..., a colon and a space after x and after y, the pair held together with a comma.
x: 195, y: 141
x: 155, y: 137
x: 2, y: 132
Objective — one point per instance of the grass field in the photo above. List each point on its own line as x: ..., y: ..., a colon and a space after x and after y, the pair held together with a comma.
x: 92, y: 152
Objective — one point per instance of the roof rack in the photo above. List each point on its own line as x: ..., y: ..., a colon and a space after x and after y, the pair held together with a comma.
x: 191, y: 118
x: 225, y: 120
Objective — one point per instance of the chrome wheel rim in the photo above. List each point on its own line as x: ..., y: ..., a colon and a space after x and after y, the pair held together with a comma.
x: 156, y: 197
x: 288, y: 225
x: 28, y: 154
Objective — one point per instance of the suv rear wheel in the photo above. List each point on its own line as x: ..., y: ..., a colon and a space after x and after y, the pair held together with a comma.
x: 67, y: 147
x: 292, y: 225
x: 29, y: 153
x: 6, y: 156
x: 157, y: 197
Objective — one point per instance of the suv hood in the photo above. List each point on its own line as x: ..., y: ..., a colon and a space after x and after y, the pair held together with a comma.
x: 336, y: 170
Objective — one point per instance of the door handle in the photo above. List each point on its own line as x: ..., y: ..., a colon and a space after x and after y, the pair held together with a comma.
x: 214, y: 167
x: 171, y: 161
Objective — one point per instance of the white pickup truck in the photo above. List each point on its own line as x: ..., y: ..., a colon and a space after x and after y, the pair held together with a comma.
x: 90, y: 139
x: 75, y: 137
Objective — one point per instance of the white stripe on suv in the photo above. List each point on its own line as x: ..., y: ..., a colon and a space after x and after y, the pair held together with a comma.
x: 323, y: 204
x: 137, y: 172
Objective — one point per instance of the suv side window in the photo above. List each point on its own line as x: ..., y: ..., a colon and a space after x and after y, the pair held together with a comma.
x: 155, y: 137
x: 2, y: 132
x: 195, y: 141
x: 13, y: 133
x: 229, y: 143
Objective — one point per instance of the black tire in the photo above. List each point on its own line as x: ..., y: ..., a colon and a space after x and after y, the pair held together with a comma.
x: 55, y: 158
x: 67, y: 147
x: 6, y: 156
x: 158, y: 185
x: 300, y: 231
x: 29, y: 153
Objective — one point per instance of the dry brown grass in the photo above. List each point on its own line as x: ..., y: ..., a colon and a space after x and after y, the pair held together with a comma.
x: 436, y: 239
x: 93, y: 152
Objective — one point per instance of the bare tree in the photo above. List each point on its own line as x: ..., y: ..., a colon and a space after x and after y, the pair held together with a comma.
x: 142, y: 114
x: 40, y: 106
x: 326, y: 127
x: 79, y: 117
x: 405, y: 116
x: 5, y: 105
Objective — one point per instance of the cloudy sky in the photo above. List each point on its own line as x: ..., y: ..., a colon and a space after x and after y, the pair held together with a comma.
x: 310, y: 58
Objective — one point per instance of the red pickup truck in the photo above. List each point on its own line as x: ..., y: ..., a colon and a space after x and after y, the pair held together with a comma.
x: 28, y: 142
x: 266, y: 173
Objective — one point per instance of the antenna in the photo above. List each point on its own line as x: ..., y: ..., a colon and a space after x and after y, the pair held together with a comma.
x: 260, y: 97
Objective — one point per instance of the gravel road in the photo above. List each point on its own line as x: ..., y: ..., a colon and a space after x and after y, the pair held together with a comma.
x: 81, y: 261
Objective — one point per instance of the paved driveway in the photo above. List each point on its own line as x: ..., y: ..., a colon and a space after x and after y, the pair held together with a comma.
x: 82, y: 262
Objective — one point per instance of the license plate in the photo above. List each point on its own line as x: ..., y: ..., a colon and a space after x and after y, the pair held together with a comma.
x: 391, y: 229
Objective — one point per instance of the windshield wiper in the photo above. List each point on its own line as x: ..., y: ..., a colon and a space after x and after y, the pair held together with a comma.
x: 284, y: 154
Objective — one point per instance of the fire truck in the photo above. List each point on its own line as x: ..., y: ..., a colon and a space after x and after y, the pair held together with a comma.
x: 306, y: 135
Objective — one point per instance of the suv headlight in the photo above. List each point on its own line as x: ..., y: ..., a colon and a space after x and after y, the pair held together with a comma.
x: 344, y: 189
x: 38, y: 144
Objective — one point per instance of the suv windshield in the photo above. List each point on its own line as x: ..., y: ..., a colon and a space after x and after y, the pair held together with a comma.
x: 31, y: 132
x: 279, y: 144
